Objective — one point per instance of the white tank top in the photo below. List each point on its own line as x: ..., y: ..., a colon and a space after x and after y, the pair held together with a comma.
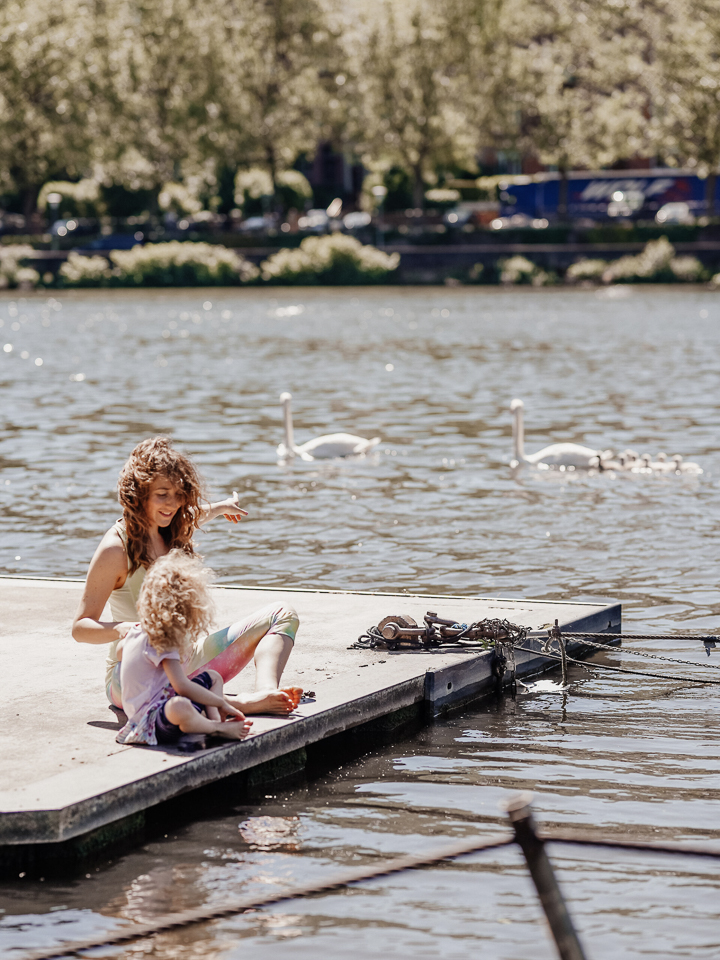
x: 123, y: 601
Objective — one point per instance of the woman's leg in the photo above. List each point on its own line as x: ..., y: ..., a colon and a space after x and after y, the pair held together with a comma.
x: 113, y: 688
x: 267, y: 636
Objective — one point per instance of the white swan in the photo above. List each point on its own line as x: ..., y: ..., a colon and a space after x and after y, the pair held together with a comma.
x: 556, y: 455
x: 327, y: 447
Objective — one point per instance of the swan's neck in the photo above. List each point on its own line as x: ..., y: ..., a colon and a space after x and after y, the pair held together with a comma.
x: 518, y: 436
x: 289, y: 435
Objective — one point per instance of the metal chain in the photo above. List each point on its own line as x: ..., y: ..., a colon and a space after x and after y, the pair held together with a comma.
x: 710, y: 638
x: 512, y: 634
x: 638, y: 653
x: 606, y: 666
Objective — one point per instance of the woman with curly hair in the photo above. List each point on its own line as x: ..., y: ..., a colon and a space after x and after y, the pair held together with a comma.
x: 162, y: 499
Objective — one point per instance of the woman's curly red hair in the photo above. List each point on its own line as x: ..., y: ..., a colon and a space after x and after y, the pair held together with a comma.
x: 149, y: 460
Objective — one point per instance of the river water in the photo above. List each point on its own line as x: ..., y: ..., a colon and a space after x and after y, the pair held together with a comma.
x: 435, y: 509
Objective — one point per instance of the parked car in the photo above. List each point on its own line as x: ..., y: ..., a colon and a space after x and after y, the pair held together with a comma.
x: 674, y: 213
x: 116, y: 241
x: 315, y: 221
x: 356, y: 220
x: 257, y: 224
x: 74, y: 226
x: 519, y: 220
x: 480, y: 212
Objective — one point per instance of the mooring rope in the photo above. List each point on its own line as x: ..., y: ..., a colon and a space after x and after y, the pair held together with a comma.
x: 341, y: 881
x: 337, y: 882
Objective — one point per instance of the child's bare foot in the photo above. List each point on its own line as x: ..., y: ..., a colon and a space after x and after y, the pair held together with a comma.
x: 233, y: 729
x: 278, y: 702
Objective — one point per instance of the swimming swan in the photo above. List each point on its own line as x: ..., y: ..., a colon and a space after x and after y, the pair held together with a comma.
x: 577, y: 457
x: 321, y: 448
x: 556, y: 455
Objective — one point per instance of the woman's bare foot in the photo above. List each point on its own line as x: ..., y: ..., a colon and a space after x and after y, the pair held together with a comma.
x: 277, y: 702
x: 233, y: 729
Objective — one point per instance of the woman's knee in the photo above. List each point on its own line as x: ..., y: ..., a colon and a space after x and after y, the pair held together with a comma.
x: 287, y: 620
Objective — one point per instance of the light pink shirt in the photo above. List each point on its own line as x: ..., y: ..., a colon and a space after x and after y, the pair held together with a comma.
x: 142, y: 677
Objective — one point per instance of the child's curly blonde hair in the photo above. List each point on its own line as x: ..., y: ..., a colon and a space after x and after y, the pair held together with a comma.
x: 175, y: 606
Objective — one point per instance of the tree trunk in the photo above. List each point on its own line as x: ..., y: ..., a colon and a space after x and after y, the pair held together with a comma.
x: 418, y: 191
x: 30, y: 196
x: 272, y: 170
x: 710, y: 184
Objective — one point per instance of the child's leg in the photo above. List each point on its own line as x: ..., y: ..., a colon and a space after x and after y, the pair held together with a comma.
x: 216, y: 687
x: 181, y: 712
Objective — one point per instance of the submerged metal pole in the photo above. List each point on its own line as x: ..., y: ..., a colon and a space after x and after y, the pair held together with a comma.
x: 555, y: 633
x: 543, y: 876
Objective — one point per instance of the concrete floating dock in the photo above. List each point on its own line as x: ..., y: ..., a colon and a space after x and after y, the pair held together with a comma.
x: 67, y: 788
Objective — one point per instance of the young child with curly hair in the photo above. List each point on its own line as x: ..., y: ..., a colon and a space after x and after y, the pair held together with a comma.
x: 161, y: 494
x: 160, y: 701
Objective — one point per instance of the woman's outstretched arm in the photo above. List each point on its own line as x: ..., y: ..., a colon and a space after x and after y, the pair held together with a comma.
x: 107, y: 572
x: 230, y: 509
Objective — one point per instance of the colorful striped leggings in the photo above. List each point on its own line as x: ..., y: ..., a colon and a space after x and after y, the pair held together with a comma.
x: 231, y: 649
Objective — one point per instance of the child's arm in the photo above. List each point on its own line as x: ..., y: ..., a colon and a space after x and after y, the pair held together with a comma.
x: 229, y: 508
x: 193, y: 691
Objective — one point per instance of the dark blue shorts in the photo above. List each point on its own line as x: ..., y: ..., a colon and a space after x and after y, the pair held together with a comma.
x: 167, y: 732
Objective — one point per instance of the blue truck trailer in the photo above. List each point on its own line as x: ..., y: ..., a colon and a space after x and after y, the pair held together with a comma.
x: 605, y: 194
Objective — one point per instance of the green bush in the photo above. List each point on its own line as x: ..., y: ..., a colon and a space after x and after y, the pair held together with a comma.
x: 11, y: 273
x: 519, y: 270
x: 656, y: 263
x: 586, y: 270
x: 177, y: 198
x: 172, y: 264
x: 333, y: 259
x: 293, y: 190
x: 81, y: 199
x: 442, y: 198
x: 251, y: 186
x: 476, y: 273
x: 688, y: 269
x: 79, y: 271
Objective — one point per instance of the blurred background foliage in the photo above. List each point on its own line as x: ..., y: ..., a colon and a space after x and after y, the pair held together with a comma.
x: 125, y: 106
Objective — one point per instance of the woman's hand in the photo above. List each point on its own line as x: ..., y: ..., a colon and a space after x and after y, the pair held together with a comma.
x: 232, y: 510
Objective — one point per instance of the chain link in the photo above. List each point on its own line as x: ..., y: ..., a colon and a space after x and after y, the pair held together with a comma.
x: 639, y: 653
